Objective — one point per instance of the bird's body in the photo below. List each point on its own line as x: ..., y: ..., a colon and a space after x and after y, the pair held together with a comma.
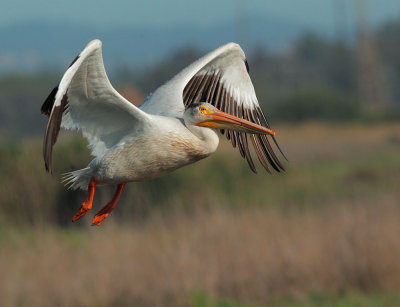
x: 166, y: 145
x: 175, y: 125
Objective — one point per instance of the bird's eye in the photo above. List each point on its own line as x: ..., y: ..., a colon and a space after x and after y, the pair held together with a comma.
x: 203, y: 109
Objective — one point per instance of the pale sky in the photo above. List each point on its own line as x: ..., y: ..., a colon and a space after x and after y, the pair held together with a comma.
x: 160, y: 13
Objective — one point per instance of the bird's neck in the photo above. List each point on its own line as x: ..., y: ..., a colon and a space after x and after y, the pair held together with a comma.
x: 208, y: 137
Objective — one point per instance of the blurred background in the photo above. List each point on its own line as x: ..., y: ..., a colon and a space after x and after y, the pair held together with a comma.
x: 323, y: 233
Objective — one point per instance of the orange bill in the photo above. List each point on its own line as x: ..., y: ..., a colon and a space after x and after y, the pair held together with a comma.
x: 222, y: 120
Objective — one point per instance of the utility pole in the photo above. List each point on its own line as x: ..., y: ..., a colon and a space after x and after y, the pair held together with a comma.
x: 369, y: 73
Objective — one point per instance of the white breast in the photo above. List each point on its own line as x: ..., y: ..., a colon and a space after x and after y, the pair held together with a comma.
x: 168, y: 146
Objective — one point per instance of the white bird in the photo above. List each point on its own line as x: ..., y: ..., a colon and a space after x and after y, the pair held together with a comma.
x: 174, y: 126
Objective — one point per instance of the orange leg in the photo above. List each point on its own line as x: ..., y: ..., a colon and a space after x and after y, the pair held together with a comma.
x: 103, y: 213
x: 87, y: 204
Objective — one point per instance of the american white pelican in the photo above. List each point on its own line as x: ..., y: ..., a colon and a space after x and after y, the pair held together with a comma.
x: 173, y: 127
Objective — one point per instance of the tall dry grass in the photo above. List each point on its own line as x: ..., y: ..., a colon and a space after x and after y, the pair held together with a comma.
x: 250, y: 255
x: 330, y: 224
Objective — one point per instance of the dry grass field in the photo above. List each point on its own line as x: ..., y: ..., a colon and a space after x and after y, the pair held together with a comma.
x: 324, y: 233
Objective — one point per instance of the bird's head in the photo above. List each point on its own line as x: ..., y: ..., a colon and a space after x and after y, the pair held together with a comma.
x: 204, y: 114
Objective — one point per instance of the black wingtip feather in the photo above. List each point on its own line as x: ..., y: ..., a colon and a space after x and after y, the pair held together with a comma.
x: 247, y: 66
x: 47, y: 106
x: 73, y: 62
x: 52, y: 130
x: 279, y: 148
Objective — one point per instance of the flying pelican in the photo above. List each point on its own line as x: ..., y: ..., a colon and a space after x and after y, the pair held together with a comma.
x: 173, y: 127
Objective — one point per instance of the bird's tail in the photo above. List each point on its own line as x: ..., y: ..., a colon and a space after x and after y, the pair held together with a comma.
x: 77, y: 179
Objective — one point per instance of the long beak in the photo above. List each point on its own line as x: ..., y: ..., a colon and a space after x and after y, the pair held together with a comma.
x: 222, y: 120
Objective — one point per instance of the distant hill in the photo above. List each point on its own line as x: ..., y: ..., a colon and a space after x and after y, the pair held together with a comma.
x: 47, y: 46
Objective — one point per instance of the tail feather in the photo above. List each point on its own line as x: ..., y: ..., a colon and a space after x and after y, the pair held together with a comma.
x: 77, y: 179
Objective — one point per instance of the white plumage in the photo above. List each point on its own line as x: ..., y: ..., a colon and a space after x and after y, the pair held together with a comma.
x: 170, y: 129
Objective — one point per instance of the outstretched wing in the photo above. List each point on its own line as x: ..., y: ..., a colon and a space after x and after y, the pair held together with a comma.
x: 220, y: 78
x: 85, y: 100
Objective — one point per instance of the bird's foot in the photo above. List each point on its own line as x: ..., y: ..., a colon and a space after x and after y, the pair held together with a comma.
x: 103, y: 213
x: 87, y: 204
x: 82, y: 211
x: 99, y: 218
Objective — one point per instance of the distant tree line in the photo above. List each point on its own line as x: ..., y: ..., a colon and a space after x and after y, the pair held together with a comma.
x: 316, y: 79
